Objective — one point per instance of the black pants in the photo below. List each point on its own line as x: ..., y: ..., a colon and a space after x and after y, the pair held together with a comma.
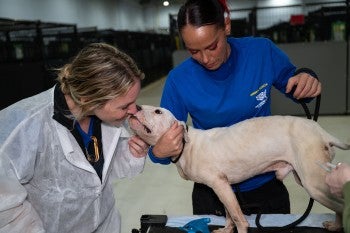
x: 271, y: 198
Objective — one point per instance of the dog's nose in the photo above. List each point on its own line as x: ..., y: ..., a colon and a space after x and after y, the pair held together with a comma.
x: 138, y: 107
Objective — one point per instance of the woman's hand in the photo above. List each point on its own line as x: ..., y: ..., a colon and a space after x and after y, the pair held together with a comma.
x: 138, y: 147
x: 337, y: 178
x: 170, y: 144
x: 306, y: 86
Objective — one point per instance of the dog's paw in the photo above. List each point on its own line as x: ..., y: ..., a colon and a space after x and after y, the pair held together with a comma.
x: 223, y: 230
x: 230, y: 230
x: 332, y: 226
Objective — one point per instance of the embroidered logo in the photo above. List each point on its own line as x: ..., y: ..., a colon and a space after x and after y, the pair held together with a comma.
x: 261, y: 98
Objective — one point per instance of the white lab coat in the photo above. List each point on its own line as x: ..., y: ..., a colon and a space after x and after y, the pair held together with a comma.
x: 46, y: 183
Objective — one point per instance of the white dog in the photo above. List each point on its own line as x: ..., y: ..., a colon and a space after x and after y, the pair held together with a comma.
x: 220, y: 157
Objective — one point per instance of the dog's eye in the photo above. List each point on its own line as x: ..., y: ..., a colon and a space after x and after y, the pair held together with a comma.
x: 157, y: 111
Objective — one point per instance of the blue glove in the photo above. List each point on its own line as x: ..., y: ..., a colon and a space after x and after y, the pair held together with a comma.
x: 197, y: 226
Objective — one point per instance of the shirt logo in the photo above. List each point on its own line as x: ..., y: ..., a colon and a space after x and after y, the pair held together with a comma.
x: 261, y: 96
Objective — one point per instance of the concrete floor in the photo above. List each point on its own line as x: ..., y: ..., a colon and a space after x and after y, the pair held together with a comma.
x: 160, y: 190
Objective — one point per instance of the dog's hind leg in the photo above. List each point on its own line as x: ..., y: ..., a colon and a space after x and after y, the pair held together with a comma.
x: 234, y: 214
x: 334, y: 225
x: 319, y: 191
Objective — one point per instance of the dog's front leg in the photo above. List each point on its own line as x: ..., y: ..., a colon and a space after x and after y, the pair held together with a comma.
x: 234, y: 215
x: 229, y: 224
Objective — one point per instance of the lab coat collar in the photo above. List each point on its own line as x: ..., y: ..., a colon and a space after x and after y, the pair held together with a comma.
x: 61, y: 110
x: 62, y: 115
x: 110, y: 136
x: 71, y: 149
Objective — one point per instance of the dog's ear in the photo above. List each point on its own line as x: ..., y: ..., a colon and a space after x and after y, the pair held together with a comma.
x: 186, y: 138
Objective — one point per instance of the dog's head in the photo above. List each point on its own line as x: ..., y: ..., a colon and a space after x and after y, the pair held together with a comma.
x: 151, y: 122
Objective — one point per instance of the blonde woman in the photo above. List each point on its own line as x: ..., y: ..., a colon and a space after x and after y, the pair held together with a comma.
x: 60, y: 149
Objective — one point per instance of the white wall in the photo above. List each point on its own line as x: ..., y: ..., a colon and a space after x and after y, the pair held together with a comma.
x: 268, y: 17
x: 114, y: 14
x: 157, y: 16
x: 129, y: 14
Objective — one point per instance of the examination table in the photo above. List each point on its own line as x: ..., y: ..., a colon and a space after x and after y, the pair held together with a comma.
x: 270, y: 222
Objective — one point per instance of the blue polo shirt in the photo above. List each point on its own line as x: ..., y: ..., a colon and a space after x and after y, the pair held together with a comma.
x: 240, y: 89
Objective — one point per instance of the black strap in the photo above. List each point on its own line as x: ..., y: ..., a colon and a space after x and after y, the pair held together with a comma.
x: 318, y: 98
x: 316, y: 110
x: 311, y: 201
x: 179, y: 156
x: 288, y: 226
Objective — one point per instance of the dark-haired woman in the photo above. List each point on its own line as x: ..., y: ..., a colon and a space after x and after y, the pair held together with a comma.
x: 227, y: 80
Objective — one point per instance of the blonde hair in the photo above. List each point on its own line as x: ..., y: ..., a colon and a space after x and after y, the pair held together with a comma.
x: 98, y: 73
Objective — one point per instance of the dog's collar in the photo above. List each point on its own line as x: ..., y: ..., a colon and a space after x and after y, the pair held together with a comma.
x: 183, y: 146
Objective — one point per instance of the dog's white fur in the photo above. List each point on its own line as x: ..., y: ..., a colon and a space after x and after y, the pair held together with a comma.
x: 222, y: 156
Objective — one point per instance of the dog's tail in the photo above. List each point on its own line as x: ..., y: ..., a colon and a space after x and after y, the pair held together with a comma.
x: 333, y: 141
